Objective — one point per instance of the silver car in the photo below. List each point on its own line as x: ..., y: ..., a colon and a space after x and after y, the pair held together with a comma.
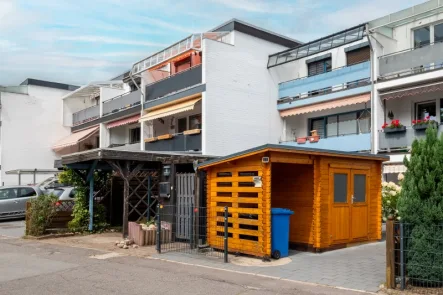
x: 65, y: 193
x: 13, y: 200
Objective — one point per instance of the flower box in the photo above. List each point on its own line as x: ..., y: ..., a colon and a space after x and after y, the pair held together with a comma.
x: 164, y: 137
x: 313, y: 139
x: 143, y: 236
x: 394, y: 130
x: 420, y: 126
x: 151, y: 139
x: 192, y: 132
x: 301, y: 140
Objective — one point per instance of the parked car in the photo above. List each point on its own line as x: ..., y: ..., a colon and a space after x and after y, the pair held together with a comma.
x: 65, y: 193
x: 13, y: 200
x: 49, y: 185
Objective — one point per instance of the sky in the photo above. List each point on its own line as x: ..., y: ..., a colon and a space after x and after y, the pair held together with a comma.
x: 80, y: 41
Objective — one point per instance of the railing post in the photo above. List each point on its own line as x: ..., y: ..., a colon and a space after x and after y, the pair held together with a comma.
x: 191, y: 227
x: 390, y: 254
x: 158, y: 245
x: 402, y: 268
x: 226, y: 236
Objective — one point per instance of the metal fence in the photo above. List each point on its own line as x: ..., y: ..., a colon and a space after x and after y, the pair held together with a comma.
x: 416, y: 255
x: 185, y: 229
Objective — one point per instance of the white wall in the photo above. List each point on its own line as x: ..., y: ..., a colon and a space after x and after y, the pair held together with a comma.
x: 107, y: 93
x: 31, y: 125
x: 299, y: 69
x: 239, y: 105
x: 73, y: 105
x: 120, y: 135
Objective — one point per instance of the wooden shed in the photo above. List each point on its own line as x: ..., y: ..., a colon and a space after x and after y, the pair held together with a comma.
x: 335, y: 196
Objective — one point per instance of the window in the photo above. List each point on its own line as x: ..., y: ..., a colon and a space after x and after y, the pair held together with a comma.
x: 358, y: 56
x: 359, y: 188
x: 438, y: 33
x: 422, y: 37
x: 134, y: 135
x: 342, y: 124
x: 182, y: 124
x: 319, y: 67
x: 58, y: 192
x: 8, y: 193
x: 27, y: 192
x: 340, y: 188
x: 195, y: 122
x: 319, y: 125
x: 424, y: 109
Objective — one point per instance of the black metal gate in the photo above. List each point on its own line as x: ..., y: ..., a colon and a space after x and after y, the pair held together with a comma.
x: 172, y: 239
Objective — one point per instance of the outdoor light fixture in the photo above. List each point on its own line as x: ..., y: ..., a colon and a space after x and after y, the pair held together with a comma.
x: 166, y: 170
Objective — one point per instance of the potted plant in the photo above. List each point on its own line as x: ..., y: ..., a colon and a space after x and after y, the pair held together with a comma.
x: 395, y: 126
x: 423, y: 124
x: 301, y: 140
x: 314, y: 136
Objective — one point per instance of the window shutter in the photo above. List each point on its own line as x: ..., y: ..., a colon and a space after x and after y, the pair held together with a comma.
x: 358, y: 55
x: 312, y: 69
x: 319, y: 125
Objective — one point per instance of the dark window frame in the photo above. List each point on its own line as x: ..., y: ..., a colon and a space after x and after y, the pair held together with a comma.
x: 322, y: 62
x: 134, y: 135
x: 325, y: 121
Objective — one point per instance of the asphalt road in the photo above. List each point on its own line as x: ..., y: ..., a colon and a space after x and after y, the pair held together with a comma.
x: 12, y: 228
x: 32, y: 267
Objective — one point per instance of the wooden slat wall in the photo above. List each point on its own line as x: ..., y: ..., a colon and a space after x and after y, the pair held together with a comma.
x: 317, y: 202
x: 293, y: 188
x: 249, y: 220
x: 375, y: 202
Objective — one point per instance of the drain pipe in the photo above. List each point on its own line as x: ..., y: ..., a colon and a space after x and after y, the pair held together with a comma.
x: 142, y: 100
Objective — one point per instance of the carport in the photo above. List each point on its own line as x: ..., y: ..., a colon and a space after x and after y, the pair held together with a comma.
x: 144, y: 167
x: 336, y: 197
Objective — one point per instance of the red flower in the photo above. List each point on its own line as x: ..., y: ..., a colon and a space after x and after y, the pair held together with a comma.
x: 414, y: 122
x: 418, y: 121
x: 427, y: 117
x: 384, y: 125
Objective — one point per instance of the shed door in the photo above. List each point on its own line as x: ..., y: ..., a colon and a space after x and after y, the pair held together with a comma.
x: 359, y: 204
x: 349, y: 207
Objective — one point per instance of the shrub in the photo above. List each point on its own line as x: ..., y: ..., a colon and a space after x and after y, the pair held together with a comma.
x: 420, y: 206
x: 390, y: 193
x: 40, y: 214
x: 80, y: 212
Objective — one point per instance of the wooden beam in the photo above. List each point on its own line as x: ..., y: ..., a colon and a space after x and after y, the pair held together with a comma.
x: 91, y: 170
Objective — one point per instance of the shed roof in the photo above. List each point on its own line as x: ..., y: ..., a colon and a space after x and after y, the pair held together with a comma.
x: 286, y: 148
x: 104, y: 154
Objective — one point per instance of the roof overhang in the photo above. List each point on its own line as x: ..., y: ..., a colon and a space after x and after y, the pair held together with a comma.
x: 92, y: 89
x: 292, y: 149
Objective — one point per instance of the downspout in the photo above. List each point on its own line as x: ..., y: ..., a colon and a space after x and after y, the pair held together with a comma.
x: 373, y: 130
x: 142, y: 100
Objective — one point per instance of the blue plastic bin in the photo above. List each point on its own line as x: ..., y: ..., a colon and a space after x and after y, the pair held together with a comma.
x: 280, y: 232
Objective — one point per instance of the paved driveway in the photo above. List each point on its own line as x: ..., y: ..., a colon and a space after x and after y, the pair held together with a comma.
x: 359, y: 267
x: 12, y: 229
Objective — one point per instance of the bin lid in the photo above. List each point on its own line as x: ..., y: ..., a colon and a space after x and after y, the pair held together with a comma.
x: 281, y: 211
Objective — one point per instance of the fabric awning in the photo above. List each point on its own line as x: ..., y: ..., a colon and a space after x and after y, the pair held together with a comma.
x: 75, y: 138
x: 124, y: 121
x: 327, y: 105
x: 399, y: 168
x: 413, y: 91
x: 170, y: 110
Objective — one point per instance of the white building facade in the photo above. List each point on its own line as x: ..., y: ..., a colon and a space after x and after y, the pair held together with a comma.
x: 31, y: 122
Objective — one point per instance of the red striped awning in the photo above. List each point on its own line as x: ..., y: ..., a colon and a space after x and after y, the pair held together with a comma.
x: 125, y: 121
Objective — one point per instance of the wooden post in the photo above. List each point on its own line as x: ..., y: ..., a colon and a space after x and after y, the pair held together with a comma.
x: 125, y: 206
x: 390, y: 254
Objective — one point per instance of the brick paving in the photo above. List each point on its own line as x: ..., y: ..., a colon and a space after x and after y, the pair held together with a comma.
x: 359, y: 267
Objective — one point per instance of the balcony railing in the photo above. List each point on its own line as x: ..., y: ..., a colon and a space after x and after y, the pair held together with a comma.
x: 334, y: 80
x: 401, y: 140
x: 346, y: 143
x: 178, y: 143
x: 174, y: 83
x: 327, y: 90
x: 121, y: 102
x: 411, y: 61
x: 86, y: 115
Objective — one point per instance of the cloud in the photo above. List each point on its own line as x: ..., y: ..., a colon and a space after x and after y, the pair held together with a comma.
x: 267, y: 7
x: 109, y: 40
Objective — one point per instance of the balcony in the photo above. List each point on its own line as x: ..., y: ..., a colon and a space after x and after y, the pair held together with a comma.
x: 121, y: 102
x: 341, y: 82
x: 86, y: 115
x: 174, y: 87
x: 345, y: 143
x: 411, y: 62
x: 178, y: 143
x: 401, y: 140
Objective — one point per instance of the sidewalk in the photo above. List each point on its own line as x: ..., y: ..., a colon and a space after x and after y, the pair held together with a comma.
x: 359, y: 268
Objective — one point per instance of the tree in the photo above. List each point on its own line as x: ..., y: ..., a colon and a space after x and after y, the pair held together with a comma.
x: 420, y: 209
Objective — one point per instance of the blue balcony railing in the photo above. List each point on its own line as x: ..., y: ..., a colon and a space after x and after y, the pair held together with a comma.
x: 335, y: 79
x: 345, y: 143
